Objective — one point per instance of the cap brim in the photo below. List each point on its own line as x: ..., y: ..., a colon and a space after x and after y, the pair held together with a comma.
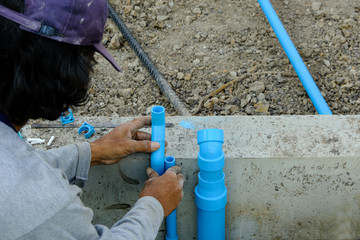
x: 102, y: 50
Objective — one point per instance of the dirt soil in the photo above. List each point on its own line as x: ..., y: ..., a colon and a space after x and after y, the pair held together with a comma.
x: 201, y: 45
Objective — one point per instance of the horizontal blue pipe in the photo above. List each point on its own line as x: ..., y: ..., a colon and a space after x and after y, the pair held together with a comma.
x: 295, y: 59
x: 211, y: 193
x: 158, y: 135
x: 171, y: 231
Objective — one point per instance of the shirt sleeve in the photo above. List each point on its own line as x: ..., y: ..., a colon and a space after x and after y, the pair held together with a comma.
x: 73, y: 159
x: 146, y: 214
x: 74, y: 222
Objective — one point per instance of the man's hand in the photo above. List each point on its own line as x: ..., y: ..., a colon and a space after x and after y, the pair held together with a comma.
x: 167, y: 189
x: 122, y: 141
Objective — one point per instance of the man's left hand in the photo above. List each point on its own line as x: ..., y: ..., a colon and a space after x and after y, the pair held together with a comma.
x: 122, y: 141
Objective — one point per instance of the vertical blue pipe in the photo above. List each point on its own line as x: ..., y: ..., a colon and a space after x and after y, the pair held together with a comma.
x: 158, y: 135
x: 171, y: 231
x: 295, y: 59
x: 211, y: 193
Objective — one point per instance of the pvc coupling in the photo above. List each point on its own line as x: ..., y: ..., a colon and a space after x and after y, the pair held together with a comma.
x: 211, y: 193
x: 158, y: 135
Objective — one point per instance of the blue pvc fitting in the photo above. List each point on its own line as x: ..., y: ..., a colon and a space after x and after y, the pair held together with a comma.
x: 171, y: 231
x: 158, y: 135
x: 67, y: 119
x: 211, y: 193
x: 295, y: 59
x: 88, y: 128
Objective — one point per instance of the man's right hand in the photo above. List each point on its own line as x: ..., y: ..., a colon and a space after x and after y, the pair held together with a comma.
x: 167, y: 189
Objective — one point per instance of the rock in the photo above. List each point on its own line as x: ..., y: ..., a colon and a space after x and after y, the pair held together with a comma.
x: 196, y: 61
x: 162, y: 18
x: 327, y: 63
x: 262, y: 107
x: 196, y: 10
x: 115, y: 42
x: 140, y: 77
x: 187, y: 77
x: 208, y: 104
x: 189, y: 19
x: 231, y: 109
x: 257, y: 87
x: 126, y: 92
x: 245, y: 101
x: 233, y: 74
x: 316, y: 6
x: 180, y: 75
x: 115, y: 115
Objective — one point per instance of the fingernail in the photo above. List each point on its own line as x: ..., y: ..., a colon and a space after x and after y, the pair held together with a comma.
x: 154, y: 146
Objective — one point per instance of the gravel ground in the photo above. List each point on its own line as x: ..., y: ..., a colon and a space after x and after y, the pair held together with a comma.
x: 201, y: 45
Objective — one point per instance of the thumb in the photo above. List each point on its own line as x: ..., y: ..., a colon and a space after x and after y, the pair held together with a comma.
x: 151, y: 173
x: 145, y: 146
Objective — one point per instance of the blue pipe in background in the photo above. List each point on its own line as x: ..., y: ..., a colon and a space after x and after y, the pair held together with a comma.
x: 158, y: 135
x: 211, y: 193
x: 295, y: 59
x: 171, y: 231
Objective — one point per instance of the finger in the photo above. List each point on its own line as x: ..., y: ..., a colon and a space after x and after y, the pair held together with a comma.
x: 176, y: 169
x: 181, y: 179
x: 139, y: 123
x: 151, y: 173
x: 145, y: 146
x: 140, y: 135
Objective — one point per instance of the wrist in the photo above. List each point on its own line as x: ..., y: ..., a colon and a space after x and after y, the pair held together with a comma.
x: 95, y: 157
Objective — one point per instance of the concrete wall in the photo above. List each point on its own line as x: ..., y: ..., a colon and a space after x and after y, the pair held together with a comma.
x: 288, y: 177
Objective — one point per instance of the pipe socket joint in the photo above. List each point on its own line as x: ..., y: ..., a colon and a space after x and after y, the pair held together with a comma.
x: 158, y: 135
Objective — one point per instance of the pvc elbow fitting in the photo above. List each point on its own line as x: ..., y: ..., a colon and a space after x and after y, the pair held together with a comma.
x: 158, y: 135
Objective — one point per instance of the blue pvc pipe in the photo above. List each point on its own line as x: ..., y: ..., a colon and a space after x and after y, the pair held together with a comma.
x: 158, y: 135
x: 171, y: 231
x: 211, y: 193
x: 295, y: 59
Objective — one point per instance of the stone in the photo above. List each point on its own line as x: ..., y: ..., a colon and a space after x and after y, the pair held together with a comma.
x: 262, y: 107
x: 257, y: 87
x: 196, y: 10
x: 180, y: 75
x: 196, y: 61
x: 162, y: 18
x: 115, y: 42
x: 125, y: 92
x: 316, y: 6
x: 233, y: 74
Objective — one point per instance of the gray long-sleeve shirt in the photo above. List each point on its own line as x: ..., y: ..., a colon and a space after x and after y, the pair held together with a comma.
x: 38, y: 202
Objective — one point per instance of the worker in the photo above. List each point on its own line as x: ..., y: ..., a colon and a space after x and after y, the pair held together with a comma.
x: 46, y: 56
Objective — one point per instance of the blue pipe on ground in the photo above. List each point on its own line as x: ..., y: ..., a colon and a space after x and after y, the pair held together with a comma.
x: 158, y: 135
x: 171, y: 231
x: 211, y: 193
x: 295, y: 59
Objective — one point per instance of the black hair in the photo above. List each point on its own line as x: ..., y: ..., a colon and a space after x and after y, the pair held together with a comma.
x: 40, y: 77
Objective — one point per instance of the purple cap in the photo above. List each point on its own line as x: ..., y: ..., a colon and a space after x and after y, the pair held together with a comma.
x: 78, y: 22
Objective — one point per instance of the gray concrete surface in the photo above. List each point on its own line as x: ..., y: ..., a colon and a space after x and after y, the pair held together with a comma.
x: 288, y: 177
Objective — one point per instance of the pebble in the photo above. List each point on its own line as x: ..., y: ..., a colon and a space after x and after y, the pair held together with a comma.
x: 196, y: 10
x: 126, y: 92
x: 257, y: 87
x: 316, y: 6
x: 180, y: 75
